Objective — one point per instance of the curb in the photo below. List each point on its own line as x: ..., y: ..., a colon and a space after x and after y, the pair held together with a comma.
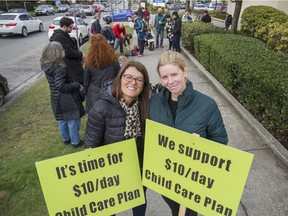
x: 279, y: 150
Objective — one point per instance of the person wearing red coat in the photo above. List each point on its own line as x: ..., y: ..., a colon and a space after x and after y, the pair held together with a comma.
x: 120, y: 32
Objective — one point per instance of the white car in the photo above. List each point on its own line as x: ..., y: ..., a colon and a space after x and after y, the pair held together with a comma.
x: 88, y: 9
x: 80, y: 26
x: 199, y: 6
x: 19, y: 23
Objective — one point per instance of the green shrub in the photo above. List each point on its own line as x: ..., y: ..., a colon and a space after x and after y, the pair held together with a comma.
x: 256, y: 19
x: 250, y: 71
x: 191, y: 29
x: 278, y: 37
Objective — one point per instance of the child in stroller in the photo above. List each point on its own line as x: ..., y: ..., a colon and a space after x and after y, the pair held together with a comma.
x: 149, y: 40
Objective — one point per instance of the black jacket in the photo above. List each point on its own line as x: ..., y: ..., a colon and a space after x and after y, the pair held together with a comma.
x: 106, y: 122
x: 73, y: 57
x: 177, y: 26
x: 96, y: 27
x: 206, y: 18
x: 94, y: 79
x: 65, y: 96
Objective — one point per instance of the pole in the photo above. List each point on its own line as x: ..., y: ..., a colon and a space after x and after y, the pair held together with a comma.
x: 7, y: 5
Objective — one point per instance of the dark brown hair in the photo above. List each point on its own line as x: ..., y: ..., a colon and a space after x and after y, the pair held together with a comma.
x: 143, y: 96
x: 100, y: 53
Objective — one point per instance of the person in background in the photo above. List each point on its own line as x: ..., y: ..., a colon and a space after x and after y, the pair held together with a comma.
x: 140, y: 12
x: 206, y: 17
x: 187, y: 17
x: 107, y: 32
x: 122, y: 60
x: 169, y: 31
x: 228, y: 21
x: 65, y: 94
x: 159, y: 25
x: 120, y: 33
x: 139, y: 28
x: 73, y: 57
x: 109, y: 120
x: 176, y: 29
x: 180, y: 106
x: 146, y: 15
x: 96, y: 26
x: 101, y: 64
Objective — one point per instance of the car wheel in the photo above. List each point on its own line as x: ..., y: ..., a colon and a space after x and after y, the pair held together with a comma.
x: 47, y: 13
x: 24, y: 32
x: 80, y: 39
x: 0, y: 36
x: 2, y: 98
x: 41, y: 27
x: 129, y: 19
x: 53, y: 12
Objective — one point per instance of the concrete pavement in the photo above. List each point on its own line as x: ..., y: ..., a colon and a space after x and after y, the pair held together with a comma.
x: 266, y: 190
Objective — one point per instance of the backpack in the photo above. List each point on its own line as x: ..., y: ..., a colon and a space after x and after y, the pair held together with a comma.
x: 144, y: 26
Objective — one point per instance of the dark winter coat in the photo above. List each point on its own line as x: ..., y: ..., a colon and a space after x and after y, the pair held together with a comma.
x: 177, y: 26
x: 106, y: 122
x: 94, y: 79
x: 96, y: 27
x: 196, y: 113
x: 206, y: 18
x: 65, y: 96
x: 73, y: 57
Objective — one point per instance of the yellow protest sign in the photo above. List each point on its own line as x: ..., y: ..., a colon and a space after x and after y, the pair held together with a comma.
x: 200, y: 174
x: 100, y: 181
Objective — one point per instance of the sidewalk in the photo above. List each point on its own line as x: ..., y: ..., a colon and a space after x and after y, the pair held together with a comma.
x: 266, y: 190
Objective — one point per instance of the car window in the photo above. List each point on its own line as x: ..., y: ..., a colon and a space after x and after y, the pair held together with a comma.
x: 56, y: 22
x: 80, y: 22
x: 30, y: 17
x: 23, y: 17
x: 7, y: 17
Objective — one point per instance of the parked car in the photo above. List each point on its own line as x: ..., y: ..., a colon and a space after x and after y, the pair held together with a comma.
x: 80, y: 25
x: 120, y: 14
x: 88, y: 10
x: 63, y: 8
x: 183, y: 5
x: 19, y: 23
x: 17, y: 10
x: 78, y: 13
x: 1, y: 11
x: 44, y: 10
x: 199, y: 6
x: 4, y: 89
x: 213, y: 6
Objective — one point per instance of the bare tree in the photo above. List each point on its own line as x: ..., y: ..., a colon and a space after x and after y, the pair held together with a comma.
x: 236, y: 15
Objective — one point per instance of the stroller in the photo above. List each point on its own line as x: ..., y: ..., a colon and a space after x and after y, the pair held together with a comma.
x: 149, y: 41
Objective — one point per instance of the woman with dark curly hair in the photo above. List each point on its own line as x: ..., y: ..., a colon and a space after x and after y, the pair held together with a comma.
x: 101, y: 64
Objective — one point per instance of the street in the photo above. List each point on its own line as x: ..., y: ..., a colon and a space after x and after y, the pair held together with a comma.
x: 20, y: 57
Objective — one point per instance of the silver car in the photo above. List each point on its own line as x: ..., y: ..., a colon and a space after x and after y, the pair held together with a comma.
x: 44, y: 10
x: 19, y: 23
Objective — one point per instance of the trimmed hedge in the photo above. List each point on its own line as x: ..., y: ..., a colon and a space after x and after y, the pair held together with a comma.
x: 250, y: 71
x: 256, y: 19
x: 192, y: 29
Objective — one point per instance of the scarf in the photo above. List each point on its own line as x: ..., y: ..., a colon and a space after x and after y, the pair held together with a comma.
x: 132, y: 122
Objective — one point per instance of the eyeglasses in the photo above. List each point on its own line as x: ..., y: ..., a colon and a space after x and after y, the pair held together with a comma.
x: 130, y: 78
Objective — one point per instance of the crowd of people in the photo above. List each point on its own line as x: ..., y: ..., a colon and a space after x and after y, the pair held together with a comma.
x: 117, y: 91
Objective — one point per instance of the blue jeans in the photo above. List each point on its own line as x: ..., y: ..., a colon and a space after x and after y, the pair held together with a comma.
x: 69, y: 130
x: 160, y: 32
x: 117, y: 44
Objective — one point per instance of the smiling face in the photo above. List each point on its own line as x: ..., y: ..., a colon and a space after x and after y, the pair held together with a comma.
x: 131, y: 86
x: 174, y: 79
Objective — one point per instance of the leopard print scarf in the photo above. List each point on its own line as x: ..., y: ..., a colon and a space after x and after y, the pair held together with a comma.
x: 132, y: 123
